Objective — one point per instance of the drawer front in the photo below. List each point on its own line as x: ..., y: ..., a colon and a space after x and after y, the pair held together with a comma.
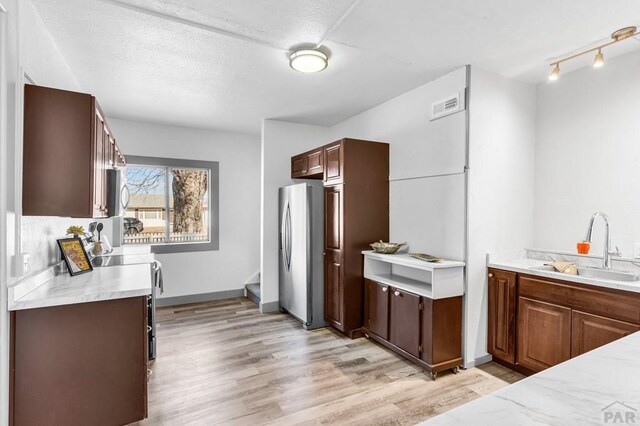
x: 618, y: 305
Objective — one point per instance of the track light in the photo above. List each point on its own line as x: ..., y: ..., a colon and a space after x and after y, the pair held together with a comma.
x: 598, y: 62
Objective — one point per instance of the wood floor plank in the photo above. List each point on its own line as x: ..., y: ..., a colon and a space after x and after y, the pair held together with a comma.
x: 224, y: 362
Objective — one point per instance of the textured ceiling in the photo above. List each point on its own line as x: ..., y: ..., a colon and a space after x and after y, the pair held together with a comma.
x: 186, y: 71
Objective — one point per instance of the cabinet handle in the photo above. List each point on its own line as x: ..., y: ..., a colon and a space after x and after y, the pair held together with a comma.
x: 397, y: 293
x: 490, y: 275
x: 149, y: 329
x: 385, y: 289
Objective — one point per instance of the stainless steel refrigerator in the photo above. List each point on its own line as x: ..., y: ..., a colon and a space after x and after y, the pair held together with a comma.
x: 301, y: 260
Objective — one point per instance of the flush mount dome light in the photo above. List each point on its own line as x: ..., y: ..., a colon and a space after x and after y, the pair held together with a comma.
x: 308, y: 61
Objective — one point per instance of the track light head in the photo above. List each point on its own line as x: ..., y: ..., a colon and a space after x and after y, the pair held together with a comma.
x: 598, y: 62
x: 555, y: 73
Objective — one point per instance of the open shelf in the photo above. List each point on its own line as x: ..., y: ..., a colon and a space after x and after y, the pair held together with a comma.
x: 403, y: 283
x: 432, y: 280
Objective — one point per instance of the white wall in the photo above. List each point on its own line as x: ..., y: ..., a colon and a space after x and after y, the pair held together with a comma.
x: 29, y: 49
x: 588, y: 156
x: 280, y: 141
x: 501, y: 183
x: 426, y: 165
x: 42, y: 61
x: 239, y: 158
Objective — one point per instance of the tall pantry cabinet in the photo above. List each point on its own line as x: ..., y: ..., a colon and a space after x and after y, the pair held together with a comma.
x: 356, y: 198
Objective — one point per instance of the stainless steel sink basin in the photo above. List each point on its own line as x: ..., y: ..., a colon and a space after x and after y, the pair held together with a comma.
x: 607, y: 274
x: 595, y: 273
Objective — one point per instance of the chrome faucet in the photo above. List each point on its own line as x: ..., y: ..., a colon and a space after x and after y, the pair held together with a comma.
x: 606, y: 257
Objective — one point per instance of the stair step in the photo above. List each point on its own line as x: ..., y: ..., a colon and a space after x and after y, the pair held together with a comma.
x: 253, y: 292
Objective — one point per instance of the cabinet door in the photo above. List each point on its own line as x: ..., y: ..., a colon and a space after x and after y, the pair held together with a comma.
x: 592, y: 331
x: 404, y: 321
x: 315, y: 162
x: 377, y: 308
x: 333, y: 256
x: 544, y: 334
x: 333, y: 163
x: 298, y: 166
x: 502, y: 315
x: 333, y: 289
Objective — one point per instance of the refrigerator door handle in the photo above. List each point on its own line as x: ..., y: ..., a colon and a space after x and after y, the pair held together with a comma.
x: 288, y: 237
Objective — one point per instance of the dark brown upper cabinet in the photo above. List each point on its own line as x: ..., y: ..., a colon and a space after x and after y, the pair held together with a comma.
x: 68, y: 147
x: 309, y: 165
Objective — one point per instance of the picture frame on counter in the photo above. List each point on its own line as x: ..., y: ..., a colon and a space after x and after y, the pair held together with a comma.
x: 75, y: 256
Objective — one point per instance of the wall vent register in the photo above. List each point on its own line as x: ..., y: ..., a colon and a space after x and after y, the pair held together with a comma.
x: 447, y: 106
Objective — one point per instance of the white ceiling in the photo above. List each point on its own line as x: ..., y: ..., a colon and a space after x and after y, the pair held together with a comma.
x: 143, y: 66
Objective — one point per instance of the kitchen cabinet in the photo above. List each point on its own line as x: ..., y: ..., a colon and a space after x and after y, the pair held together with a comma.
x: 350, y: 168
x: 404, y: 320
x: 79, y: 364
x: 377, y: 308
x: 309, y: 165
x: 414, y: 308
x: 441, y: 332
x: 68, y: 147
x: 502, y: 315
x: 544, y: 334
x: 592, y: 331
x: 352, y: 222
x: 333, y: 160
x: 554, y: 319
x: 333, y: 255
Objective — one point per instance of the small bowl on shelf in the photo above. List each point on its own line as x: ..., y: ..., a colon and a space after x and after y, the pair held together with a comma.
x: 386, y: 248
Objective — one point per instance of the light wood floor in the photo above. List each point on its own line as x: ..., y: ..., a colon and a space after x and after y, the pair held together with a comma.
x: 225, y: 363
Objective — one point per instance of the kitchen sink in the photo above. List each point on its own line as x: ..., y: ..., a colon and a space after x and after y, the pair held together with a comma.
x: 607, y: 274
x: 596, y: 273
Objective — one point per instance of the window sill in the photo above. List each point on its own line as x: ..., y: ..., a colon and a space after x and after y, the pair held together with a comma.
x: 179, y: 247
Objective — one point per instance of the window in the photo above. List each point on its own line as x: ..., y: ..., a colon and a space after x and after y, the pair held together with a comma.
x: 173, y: 204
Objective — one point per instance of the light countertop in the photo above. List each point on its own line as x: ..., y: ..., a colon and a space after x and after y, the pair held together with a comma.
x: 114, y: 282
x: 592, y: 389
x: 524, y: 265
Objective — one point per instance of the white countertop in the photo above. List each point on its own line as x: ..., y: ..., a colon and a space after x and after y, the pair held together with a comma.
x: 406, y: 260
x: 114, y: 282
x: 523, y: 266
x: 587, y: 390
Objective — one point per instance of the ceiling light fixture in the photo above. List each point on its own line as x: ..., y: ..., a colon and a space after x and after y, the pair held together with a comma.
x: 616, y: 36
x: 308, y: 61
x: 598, y: 62
x: 555, y: 73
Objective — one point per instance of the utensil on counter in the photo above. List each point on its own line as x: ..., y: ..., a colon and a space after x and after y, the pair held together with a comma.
x: 92, y: 229
x: 100, y: 227
x: 426, y: 257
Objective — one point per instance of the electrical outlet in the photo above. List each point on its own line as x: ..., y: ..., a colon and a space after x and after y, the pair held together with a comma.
x: 636, y: 250
x: 26, y: 263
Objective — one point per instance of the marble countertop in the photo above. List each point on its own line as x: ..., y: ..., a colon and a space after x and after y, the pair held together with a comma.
x: 114, y: 282
x: 524, y: 265
x: 593, y: 389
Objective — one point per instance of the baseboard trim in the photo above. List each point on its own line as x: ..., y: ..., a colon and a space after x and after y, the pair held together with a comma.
x: 269, y: 307
x: 198, y: 298
x: 478, y: 361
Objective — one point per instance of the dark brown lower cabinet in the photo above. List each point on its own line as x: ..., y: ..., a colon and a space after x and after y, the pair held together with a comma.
x: 592, y: 331
x: 544, y: 334
x: 502, y: 315
x: 377, y: 308
x: 554, y: 319
x: 404, y: 320
x: 82, y: 364
x: 425, y: 331
x: 441, y: 332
